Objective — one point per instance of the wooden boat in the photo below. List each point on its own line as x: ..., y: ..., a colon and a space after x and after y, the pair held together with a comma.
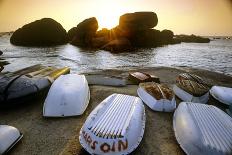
x: 157, y: 96
x: 222, y: 94
x: 68, y: 96
x: 115, y: 126
x: 139, y: 77
x: 9, y: 136
x: 23, y: 85
x: 203, y: 129
x: 191, y: 88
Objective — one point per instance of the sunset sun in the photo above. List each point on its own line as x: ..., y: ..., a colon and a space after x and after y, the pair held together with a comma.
x: 109, y: 13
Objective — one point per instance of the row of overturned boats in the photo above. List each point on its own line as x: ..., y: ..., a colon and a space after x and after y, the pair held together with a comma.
x: 116, y: 126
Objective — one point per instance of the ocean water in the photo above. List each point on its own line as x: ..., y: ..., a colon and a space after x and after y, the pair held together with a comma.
x: 213, y: 56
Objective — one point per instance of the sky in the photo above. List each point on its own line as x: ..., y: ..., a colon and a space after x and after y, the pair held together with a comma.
x: 200, y: 17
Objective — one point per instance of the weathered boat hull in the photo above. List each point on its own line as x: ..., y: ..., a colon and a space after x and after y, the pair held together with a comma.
x: 185, y: 96
x: 9, y: 136
x: 202, y: 129
x: 115, y: 126
x: 163, y: 104
x: 68, y: 96
x: 25, y: 84
x: 222, y: 94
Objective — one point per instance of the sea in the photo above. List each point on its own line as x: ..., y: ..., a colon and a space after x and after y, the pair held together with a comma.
x: 214, y: 56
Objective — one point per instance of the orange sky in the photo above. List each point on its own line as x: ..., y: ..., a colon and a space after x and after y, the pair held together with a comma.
x: 201, y: 17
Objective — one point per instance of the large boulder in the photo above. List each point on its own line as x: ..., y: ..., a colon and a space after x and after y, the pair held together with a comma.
x: 138, y: 21
x: 84, y: 32
x: 43, y: 32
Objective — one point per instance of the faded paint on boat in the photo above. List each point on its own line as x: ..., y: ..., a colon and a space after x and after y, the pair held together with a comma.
x: 202, y: 129
x: 191, y: 88
x: 157, y: 96
x: 222, y: 94
x: 68, y: 96
x: 23, y: 84
x: 115, y: 126
x: 9, y: 136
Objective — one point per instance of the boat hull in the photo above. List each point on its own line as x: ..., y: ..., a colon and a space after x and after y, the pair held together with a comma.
x: 68, y: 96
x: 202, y: 129
x: 222, y: 94
x: 163, y: 105
x: 186, y: 97
x: 116, y: 126
x: 9, y: 137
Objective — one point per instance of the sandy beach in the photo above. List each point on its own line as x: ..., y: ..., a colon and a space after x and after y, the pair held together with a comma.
x: 60, y: 135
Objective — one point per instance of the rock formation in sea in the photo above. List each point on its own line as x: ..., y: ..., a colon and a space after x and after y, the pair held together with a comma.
x: 43, y: 32
x: 83, y: 33
x: 191, y: 38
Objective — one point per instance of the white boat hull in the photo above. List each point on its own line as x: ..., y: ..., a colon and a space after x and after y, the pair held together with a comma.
x: 202, y: 129
x: 9, y: 136
x: 222, y: 94
x: 68, y: 96
x: 115, y: 126
x: 164, y: 105
x: 186, y: 97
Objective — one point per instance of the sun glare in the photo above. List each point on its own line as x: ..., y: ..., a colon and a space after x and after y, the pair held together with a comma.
x: 109, y: 13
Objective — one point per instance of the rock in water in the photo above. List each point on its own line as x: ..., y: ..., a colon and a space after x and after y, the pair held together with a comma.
x: 192, y: 38
x: 1, y: 52
x: 84, y: 32
x: 118, y: 45
x: 138, y: 21
x: 43, y: 32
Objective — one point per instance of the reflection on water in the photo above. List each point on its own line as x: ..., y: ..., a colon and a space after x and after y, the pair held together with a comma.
x: 215, y: 56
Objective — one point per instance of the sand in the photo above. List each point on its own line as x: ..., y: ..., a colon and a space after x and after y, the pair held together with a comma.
x: 60, y: 135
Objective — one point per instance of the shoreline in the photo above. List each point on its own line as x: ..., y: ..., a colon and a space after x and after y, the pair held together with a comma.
x: 60, y: 135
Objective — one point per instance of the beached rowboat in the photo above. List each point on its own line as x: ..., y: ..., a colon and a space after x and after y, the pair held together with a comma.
x: 222, y: 94
x: 115, y: 126
x: 139, y: 77
x: 202, y: 129
x: 157, y: 96
x: 9, y: 136
x: 23, y: 85
x: 191, y: 88
x: 68, y: 96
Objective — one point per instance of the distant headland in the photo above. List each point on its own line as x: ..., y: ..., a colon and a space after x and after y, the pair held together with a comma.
x: 135, y: 30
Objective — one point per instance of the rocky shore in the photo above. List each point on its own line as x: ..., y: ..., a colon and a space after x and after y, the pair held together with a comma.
x: 60, y: 136
x: 135, y: 30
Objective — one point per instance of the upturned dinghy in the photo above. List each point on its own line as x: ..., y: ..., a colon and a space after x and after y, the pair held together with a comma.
x: 9, y: 136
x: 203, y: 129
x: 157, y: 96
x: 68, y: 96
x: 139, y: 77
x: 115, y: 126
x: 191, y: 88
x: 22, y: 85
x: 94, y: 79
x: 222, y: 94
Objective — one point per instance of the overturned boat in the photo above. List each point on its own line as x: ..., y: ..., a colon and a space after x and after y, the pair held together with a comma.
x: 115, y: 126
x: 97, y: 79
x: 68, y: 96
x: 157, y: 96
x: 191, y: 88
x: 23, y: 85
x: 222, y: 94
x: 202, y: 129
x: 9, y: 136
x: 139, y: 77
